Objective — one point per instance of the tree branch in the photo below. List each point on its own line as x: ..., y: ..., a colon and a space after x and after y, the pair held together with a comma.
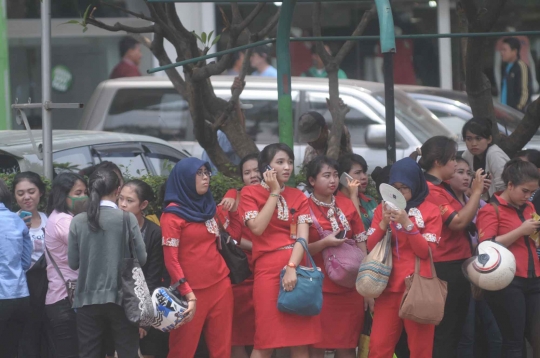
x: 137, y: 15
x: 120, y: 27
x: 269, y: 27
x: 249, y: 19
x: 317, y: 32
x: 347, y: 47
x: 525, y: 131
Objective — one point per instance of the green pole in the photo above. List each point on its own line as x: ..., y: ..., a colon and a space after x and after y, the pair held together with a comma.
x: 284, y: 73
x: 5, y: 103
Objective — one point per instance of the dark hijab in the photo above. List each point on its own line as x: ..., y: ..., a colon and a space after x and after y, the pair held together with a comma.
x: 407, y: 172
x: 181, y: 190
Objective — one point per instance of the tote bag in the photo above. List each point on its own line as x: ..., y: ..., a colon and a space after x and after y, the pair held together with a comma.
x: 375, y: 269
x: 136, y: 298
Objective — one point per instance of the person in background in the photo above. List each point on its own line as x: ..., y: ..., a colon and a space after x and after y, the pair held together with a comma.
x: 237, y: 62
x: 454, y: 247
x: 193, y: 260
x: 259, y: 61
x: 516, y: 83
x: 243, y: 332
x: 318, y: 70
x: 341, y: 316
x: 271, y: 211
x: 533, y: 156
x: 15, y: 259
x: 314, y: 131
x: 66, y: 190
x: 459, y: 185
x: 355, y: 165
x: 97, y: 246
x: 28, y: 188
x: 417, y: 228
x: 130, y: 52
x: 508, y: 222
x: 134, y: 198
x: 481, y: 153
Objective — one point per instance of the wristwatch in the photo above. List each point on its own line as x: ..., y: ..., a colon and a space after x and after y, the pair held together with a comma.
x: 409, y: 227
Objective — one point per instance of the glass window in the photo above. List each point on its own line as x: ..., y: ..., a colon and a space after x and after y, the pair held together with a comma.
x: 262, y: 120
x: 8, y: 164
x: 162, y: 158
x: 128, y: 159
x: 72, y: 160
x: 157, y: 112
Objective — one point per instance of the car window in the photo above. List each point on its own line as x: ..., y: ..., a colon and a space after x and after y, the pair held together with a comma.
x: 162, y: 157
x: 452, y: 122
x: 8, y: 164
x: 72, y: 160
x: 128, y: 158
x: 158, y: 112
x: 262, y: 123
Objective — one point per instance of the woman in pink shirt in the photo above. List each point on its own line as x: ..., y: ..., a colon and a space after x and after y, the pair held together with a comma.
x: 68, y: 191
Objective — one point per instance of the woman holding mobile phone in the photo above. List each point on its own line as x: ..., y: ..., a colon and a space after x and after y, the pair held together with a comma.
x: 277, y: 215
x: 341, y: 318
x: 355, y: 167
x: 28, y: 189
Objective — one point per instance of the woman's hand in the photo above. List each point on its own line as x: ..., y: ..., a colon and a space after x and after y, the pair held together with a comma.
x: 353, y: 188
x: 478, y: 182
x: 385, y: 220
x: 369, y: 303
x: 529, y: 227
x: 142, y: 333
x: 192, y: 307
x: 227, y: 204
x: 289, y: 279
x: 332, y: 240
x: 400, y: 216
x: 270, y: 178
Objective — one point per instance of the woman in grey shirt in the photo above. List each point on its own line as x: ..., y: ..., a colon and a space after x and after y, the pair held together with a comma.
x: 96, y: 247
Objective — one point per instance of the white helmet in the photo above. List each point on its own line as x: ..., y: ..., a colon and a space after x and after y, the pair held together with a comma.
x: 493, y: 268
x: 168, y: 309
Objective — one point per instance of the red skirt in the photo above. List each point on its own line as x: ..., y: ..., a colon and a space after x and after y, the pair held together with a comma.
x: 243, y: 333
x: 344, y: 313
x: 275, y: 329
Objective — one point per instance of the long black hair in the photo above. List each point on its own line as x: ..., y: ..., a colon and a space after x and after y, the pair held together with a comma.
x: 517, y: 172
x: 252, y: 156
x: 61, y: 186
x: 5, y: 195
x: 142, y: 189
x: 101, y: 183
x: 314, y: 167
x: 270, y: 151
x: 437, y: 149
x: 32, y: 178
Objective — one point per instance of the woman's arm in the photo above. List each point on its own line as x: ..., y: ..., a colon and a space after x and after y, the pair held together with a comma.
x: 171, y: 227
x: 461, y: 219
x: 289, y: 279
x: 140, y: 247
x: 245, y: 244
x: 261, y: 221
x: 73, y: 247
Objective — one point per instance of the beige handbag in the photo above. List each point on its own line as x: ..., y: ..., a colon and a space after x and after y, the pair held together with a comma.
x: 424, y: 297
x: 375, y: 269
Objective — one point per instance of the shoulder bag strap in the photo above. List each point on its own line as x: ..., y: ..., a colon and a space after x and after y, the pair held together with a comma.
x: 303, y: 242
x: 316, y: 223
x: 57, y: 268
x: 417, y: 264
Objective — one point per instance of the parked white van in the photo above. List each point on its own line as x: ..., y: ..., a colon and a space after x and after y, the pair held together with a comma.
x: 151, y: 106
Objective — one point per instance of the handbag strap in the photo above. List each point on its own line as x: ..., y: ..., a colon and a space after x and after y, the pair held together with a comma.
x: 417, y: 264
x: 127, y: 231
x: 303, y: 242
x: 316, y: 223
x: 57, y: 268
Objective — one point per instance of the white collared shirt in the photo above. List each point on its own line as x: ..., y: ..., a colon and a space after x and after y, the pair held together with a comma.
x: 108, y: 203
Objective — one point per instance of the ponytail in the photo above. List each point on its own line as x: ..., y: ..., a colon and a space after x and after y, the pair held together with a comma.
x: 101, y: 183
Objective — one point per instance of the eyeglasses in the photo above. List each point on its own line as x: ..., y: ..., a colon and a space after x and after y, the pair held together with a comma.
x: 203, y: 173
x: 403, y: 189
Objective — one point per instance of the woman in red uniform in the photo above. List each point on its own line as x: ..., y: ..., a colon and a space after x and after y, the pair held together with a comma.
x: 414, y: 230
x: 439, y: 162
x: 277, y: 215
x: 243, y: 331
x: 192, y: 258
x: 508, y: 221
x: 342, y: 315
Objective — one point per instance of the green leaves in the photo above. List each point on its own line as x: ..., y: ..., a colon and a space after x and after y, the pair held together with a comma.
x: 82, y: 22
x: 206, y: 39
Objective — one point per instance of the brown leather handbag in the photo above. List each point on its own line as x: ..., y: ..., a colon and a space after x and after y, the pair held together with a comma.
x: 424, y: 297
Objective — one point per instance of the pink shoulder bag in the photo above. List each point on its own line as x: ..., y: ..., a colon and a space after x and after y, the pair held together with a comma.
x: 341, y: 262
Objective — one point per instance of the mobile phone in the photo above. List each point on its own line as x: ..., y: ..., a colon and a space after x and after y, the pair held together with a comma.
x: 268, y: 168
x: 23, y: 214
x: 341, y: 234
x: 343, y: 179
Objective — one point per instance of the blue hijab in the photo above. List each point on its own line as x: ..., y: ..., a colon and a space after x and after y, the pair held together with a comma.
x: 181, y: 191
x: 407, y: 172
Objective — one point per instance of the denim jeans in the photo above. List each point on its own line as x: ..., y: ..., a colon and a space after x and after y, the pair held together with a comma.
x: 63, y: 323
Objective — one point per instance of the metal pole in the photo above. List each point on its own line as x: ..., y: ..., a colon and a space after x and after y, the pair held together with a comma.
x: 5, y: 111
x: 389, y: 108
x: 46, y: 87
x: 284, y: 73
x: 445, y: 44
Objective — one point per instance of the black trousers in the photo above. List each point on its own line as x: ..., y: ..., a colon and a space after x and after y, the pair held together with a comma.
x: 517, y: 312
x: 448, y: 333
x: 63, y: 324
x: 92, y: 322
x: 13, y: 315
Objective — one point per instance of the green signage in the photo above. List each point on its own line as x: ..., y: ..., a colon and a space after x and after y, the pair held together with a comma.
x: 61, y: 78
x: 5, y: 102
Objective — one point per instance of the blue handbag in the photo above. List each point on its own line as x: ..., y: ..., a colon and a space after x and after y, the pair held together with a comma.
x: 306, y: 297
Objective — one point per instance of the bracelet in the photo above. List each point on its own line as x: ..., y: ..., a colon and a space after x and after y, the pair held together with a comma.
x: 274, y: 195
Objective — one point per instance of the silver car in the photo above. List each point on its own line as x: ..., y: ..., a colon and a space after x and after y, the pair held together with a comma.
x: 150, y: 105
x: 74, y: 150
